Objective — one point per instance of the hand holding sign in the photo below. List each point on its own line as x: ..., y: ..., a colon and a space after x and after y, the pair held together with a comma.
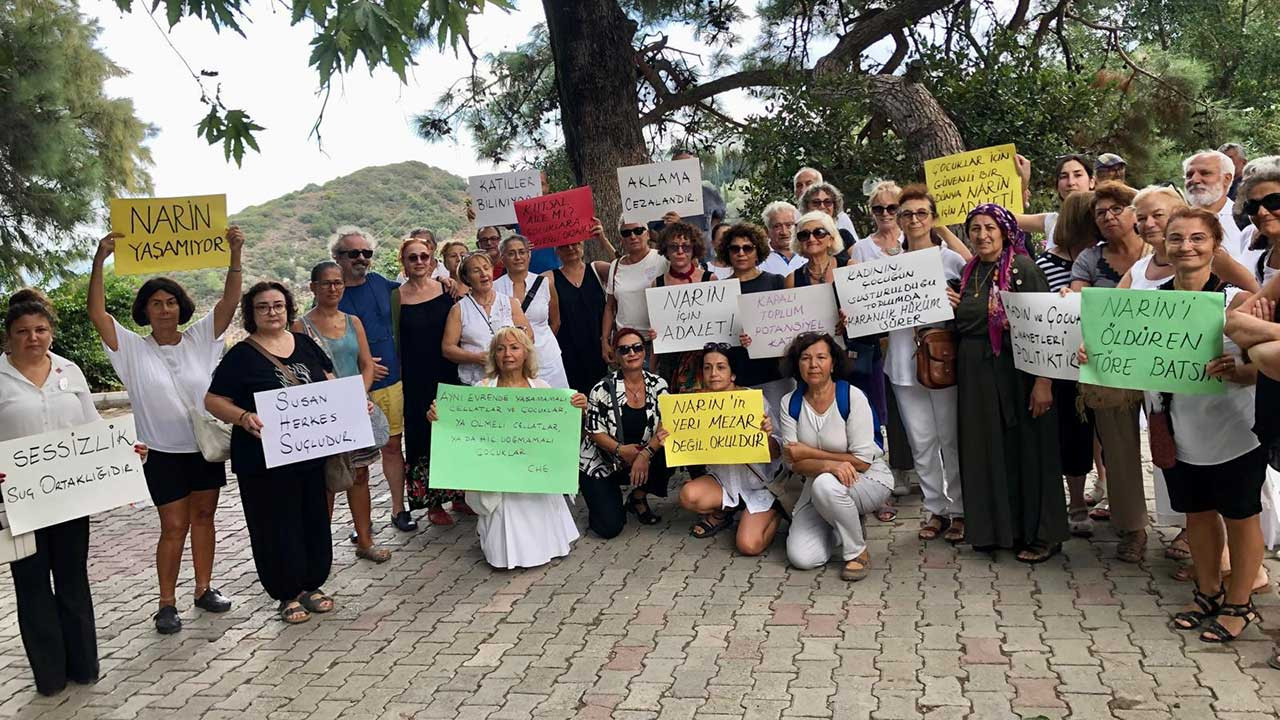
x: 175, y: 233
x: 557, y: 219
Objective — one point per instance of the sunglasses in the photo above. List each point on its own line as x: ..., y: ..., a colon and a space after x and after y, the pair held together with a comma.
x: 1270, y: 202
x: 722, y: 348
x: 884, y: 209
x: 353, y: 254
x: 679, y: 248
x: 742, y: 249
x: 628, y: 232
x: 637, y: 348
x: 418, y: 257
x: 823, y: 202
x: 818, y: 233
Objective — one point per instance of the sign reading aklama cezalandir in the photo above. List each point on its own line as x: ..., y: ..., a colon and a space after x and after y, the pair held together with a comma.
x: 653, y: 190
x: 962, y: 182
x: 173, y: 233
x: 69, y: 473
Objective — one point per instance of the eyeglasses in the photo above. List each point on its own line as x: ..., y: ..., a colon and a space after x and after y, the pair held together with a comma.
x: 816, y: 233
x: 628, y: 232
x: 418, y: 257
x: 742, y: 249
x: 1270, y: 202
x: 884, y: 209
x: 1113, y: 211
x: 272, y: 309
x: 489, y: 241
x: 637, y: 348
x: 353, y: 254
x: 722, y: 348
x: 330, y: 284
x: 679, y: 248
x: 918, y: 215
x: 1178, y: 240
x: 822, y: 202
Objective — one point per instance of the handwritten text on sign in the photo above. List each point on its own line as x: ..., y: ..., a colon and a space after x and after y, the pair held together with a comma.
x: 494, y: 196
x: 773, y: 319
x: 1156, y: 340
x: 718, y: 427
x: 1045, y: 329
x: 65, y: 474
x: 687, y: 317
x: 963, y: 181
x: 900, y: 291
x: 505, y: 440
x: 651, y: 191
x: 174, y: 233
x: 560, y: 218
x: 315, y: 420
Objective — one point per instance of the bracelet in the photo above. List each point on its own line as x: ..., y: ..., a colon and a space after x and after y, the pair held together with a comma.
x: 649, y: 451
x: 231, y: 270
x: 240, y: 420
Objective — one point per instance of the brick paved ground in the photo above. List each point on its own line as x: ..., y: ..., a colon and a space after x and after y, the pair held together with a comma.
x: 656, y: 624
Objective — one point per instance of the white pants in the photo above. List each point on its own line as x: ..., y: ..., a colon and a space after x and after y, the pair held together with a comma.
x: 827, y: 514
x: 929, y: 417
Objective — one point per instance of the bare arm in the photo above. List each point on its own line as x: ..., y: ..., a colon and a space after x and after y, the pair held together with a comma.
x: 98, y: 315
x: 1031, y: 223
x: 364, y: 357
x: 228, y: 412
x: 449, y: 344
x: 606, y: 327
x: 1231, y: 271
x: 226, y: 307
x: 954, y: 243
x: 1126, y: 282
x: 553, y: 312
x: 790, y: 281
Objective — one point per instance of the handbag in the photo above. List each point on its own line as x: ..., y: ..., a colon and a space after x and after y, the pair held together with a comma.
x: 936, y: 358
x: 1164, y: 451
x: 339, y: 472
x: 14, y: 547
x: 213, y: 437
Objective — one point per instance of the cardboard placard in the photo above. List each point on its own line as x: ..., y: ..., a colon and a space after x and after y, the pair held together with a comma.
x: 560, y: 218
x: 901, y: 291
x: 962, y: 182
x: 722, y: 428
x: 316, y: 420
x: 687, y: 317
x: 494, y: 196
x: 173, y: 233
x: 1045, y: 329
x: 653, y: 190
x: 773, y: 319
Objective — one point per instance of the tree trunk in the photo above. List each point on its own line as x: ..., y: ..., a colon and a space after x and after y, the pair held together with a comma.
x: 591, y: 42
x: 916, y: 117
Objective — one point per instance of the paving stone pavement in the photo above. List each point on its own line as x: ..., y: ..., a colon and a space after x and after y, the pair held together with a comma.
x: 655, y: 624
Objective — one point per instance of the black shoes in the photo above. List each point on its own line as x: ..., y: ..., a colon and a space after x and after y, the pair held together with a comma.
x: 167, y: 620
x: 213, y: 601
x: 404, y: 521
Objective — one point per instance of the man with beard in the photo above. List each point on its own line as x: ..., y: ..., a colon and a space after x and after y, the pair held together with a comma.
x: 368, y: 297
x: 1208, y: 175
x: 780, y: 224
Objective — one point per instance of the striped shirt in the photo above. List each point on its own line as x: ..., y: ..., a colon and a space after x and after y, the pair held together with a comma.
x: 1057, y: 270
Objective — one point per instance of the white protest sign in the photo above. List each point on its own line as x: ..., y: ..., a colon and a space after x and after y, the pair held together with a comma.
x: 494, y: 196
x: 900, y: 291
x: 686, y: 317
x: 1045, y: 329
x: 315, y: 420
x: 65, y: 474
x: 773, y: 319
x: 651, y: 191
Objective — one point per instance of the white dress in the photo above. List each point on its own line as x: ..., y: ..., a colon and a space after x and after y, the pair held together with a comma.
x: 522, y: 529
x: 550, y: 361
x: 478, y: 330
x: 747, y: 483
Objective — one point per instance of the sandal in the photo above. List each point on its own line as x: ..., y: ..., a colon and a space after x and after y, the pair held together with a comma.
x: 293, y: 613
x: 1179, y: 548
x: 461, y: 507
x: 887, y: 512
x: 932, y: 528
x: 1100, y: 512
x: 1036, y: 553
x: 1274, y: 662
x: 1080, y: 522
x: 437, y: 516
x: 1184, y: 573
x: 955, y: 533
x: 856, y: 569
x: 1132, y: 545
x: 316, y: 601
x: 373, y: 552
x: 1207, y: 606
x: 705, y: 528
x: 639, y: 506
x: 1216, y: 633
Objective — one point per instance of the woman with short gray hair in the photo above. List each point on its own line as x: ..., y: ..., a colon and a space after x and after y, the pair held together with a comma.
x: 537, y: 300
x: 827, y: 197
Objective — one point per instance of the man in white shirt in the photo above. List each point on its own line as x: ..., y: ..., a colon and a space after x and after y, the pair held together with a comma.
x: 1208, y: 175
x: 780, y: 223
x: 807, y: 176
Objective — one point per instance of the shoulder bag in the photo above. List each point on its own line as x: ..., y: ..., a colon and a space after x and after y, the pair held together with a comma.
x: 936, y: 358
x: 339, y: 472
x: 213, y: 437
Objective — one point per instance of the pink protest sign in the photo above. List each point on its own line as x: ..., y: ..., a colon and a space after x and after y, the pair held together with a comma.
x: 556, y: 219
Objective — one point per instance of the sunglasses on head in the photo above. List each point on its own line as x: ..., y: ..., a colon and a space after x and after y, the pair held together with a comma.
x: 884, y: 209
x: 1270, y: 202
x: 628, y: 232
x: 741, y: 249
x: 353, y: 254
x: 818, y: 233
x: 722, y: 348
x: 636, y: 348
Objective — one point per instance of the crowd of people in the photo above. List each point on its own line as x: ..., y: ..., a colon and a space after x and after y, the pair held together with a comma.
x: 1001, y: 456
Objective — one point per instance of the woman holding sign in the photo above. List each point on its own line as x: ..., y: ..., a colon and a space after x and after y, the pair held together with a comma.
x: 519, y: 529
x: 475, y: 318
x: 1009, y: 465
x: 724, y: 488
x: 39, y: 392
x: 537, y: 299
x: 167, y: 374
x: 286, y: 508
x: 681, y: 244
x: 745, y: 246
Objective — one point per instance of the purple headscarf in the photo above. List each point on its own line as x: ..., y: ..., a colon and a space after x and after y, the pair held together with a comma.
x: 1015, y: 243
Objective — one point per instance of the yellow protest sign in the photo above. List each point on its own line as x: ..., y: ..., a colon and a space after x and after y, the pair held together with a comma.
x: 174, y: 233
x: 963, y: 181
x: 714, y: 428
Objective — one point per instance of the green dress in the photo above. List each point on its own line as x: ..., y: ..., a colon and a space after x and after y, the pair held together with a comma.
x: 1009, y: 465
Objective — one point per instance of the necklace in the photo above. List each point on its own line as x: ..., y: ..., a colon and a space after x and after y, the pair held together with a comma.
x: 983, y: 283
x: 821, y: 273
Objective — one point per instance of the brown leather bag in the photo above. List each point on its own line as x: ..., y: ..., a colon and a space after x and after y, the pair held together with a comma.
x: 936, y: 358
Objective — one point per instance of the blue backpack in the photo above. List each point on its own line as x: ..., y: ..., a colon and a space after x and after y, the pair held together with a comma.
x: 842, y: 404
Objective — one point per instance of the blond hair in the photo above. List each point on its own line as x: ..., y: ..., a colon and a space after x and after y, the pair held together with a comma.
x: 834, y: 243
x: 530, y: 356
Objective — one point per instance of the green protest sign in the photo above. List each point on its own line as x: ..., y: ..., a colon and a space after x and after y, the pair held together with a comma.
x: 505, y: 440
x: 1152, y: 339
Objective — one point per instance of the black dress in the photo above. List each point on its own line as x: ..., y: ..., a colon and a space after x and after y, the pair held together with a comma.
x: 1009, y: 464
x: 423, y: 368
x: 581, y: 314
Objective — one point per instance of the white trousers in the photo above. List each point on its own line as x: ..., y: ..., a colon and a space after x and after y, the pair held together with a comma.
x: 827, y: 514
x: 929, y: 417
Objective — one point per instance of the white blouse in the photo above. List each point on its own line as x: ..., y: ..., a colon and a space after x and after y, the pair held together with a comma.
x: 62, y: 401
x: 831, y: 433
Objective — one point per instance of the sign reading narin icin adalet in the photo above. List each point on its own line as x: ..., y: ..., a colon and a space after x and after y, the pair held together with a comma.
x: 962, y: 182
x: 1157, y: 340
x: 687, y: 317
x: 773, y: 319
x: 651, y: 191
x: 560, y: 218
x: 722, y: 428
x: 175, y: 233
x: 505, y: 440
x: 65, y: 474
x: 1045, y: 329
x: 316, y: 420
x: 494, y: 196
x: 900, y: 291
